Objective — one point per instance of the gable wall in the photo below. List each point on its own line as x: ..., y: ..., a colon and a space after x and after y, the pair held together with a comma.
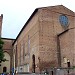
x: 50, y: 27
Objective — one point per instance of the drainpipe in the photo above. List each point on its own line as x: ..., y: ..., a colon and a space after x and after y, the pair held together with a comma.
x: 58, y: 48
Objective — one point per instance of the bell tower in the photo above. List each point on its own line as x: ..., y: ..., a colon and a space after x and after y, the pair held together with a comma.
x: 1, y: 18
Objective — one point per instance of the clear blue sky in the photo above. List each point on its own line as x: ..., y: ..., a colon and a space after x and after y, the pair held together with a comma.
x: 16, y: 13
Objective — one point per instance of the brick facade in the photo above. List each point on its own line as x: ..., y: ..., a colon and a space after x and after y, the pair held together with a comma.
x: 44, y: 37
x: 43, y: 42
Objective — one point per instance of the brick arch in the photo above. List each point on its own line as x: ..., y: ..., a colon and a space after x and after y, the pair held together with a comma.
x: 7, y: 52
x: 4, y: 69
x: 10, y: 52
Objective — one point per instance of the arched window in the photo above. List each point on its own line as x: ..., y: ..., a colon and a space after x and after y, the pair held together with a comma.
x: 33, y: 63
x: 4, y: 69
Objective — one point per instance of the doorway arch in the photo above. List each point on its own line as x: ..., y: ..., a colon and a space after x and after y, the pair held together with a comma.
x: 4, y: 69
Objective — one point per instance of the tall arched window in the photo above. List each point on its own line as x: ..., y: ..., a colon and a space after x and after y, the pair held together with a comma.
x: 33, y: 63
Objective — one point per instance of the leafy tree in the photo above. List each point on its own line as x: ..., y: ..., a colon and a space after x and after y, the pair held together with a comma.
x: 1, y: 51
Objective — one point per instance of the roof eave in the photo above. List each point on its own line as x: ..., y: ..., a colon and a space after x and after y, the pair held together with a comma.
x: 35, y: 11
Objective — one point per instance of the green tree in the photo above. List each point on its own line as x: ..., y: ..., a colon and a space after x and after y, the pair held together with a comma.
x: 1, y: 51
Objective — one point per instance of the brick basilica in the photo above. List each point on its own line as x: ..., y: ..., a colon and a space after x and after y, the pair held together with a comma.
x: 45, y: 41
